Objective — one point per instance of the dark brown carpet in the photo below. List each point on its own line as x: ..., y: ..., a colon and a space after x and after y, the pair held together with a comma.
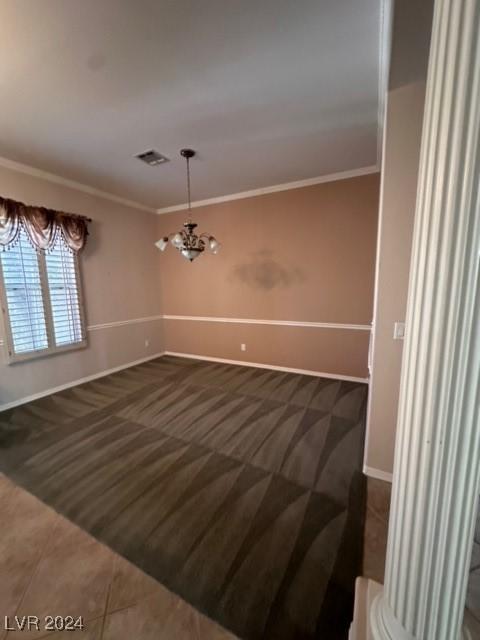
x: 240, y: 489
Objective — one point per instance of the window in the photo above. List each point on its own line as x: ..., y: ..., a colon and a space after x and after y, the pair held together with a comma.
x: 41, y: 299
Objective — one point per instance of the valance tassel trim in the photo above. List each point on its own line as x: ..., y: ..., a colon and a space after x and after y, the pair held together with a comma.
x: 42, y: 226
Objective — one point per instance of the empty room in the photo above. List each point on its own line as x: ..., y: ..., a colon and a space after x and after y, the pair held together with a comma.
x: 240, y: 315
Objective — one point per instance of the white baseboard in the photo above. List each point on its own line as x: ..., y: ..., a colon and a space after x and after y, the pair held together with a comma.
x: 371, y: 472
x: 106, y: 372
x: 365, y: 592
x: 74, y: 383
x: 306, y: 372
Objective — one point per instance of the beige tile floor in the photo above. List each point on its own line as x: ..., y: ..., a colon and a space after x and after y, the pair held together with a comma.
x: 376, y: 529
x: 50, y: 567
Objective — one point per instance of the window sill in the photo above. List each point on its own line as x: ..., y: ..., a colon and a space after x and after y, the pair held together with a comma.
x: 44, y: 353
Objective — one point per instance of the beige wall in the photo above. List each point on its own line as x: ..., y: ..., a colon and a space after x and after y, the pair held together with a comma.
x: 402, y: 147
x: 403, y: 129
x: 301, y: 255
x: 120, y: 280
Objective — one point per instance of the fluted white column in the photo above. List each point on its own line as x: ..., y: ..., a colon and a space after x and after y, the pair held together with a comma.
x: 437, y: 457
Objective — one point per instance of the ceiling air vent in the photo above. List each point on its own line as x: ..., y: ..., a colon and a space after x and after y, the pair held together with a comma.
x: 151, y: 157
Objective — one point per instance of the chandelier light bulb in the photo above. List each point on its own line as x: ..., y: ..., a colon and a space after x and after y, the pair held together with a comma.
x: 213, y: 244
x: 162, y: 243
x: 191, y: 254
x: 177, y: 240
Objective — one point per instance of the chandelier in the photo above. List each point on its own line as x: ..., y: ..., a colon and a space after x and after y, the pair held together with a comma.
x: 187, y: 241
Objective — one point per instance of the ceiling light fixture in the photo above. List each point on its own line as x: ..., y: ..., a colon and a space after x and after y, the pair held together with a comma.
x: 186, y: 241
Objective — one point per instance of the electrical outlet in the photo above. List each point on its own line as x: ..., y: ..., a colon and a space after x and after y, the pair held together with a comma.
x: 147, y: 343
x: 399, y: 331
x: 243, y: 347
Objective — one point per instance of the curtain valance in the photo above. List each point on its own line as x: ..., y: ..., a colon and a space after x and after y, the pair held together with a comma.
x: 42, y: 226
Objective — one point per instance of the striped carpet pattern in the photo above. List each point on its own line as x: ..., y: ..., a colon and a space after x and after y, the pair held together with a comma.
x: 240, y: 489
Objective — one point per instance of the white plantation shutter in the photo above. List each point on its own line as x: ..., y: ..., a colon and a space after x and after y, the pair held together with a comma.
x: 41, y: 299
x: 64, y: 295
x: 23, y: 292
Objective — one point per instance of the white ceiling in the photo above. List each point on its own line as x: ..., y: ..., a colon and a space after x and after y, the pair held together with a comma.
x: 267, y: 91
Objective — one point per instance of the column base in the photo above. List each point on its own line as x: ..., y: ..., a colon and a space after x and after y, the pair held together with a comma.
x: 384, y: 625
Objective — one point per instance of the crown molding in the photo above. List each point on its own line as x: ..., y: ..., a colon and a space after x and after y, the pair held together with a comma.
x: 72, y: 184
x: 384, y: 49
x: 286, y: 186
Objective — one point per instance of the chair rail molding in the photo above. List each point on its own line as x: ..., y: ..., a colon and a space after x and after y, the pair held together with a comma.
x: 436, y: 478
x: 278, y: 323
x: 282, y: 323
x: 121, y: 323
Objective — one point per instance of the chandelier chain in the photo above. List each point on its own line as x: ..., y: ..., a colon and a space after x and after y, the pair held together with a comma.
x: 188, y: 186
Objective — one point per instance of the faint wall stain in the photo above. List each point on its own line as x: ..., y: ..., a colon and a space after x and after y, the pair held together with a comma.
x: 96, y: 61
x: 263, y: 272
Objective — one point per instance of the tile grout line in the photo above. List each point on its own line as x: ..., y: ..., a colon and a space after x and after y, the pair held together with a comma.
x: 109, y: 612
x: 41, y: 556
x: 44, y: 554
x: 109, y: 591
x: 380, y: 519
x: 140, y: 600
